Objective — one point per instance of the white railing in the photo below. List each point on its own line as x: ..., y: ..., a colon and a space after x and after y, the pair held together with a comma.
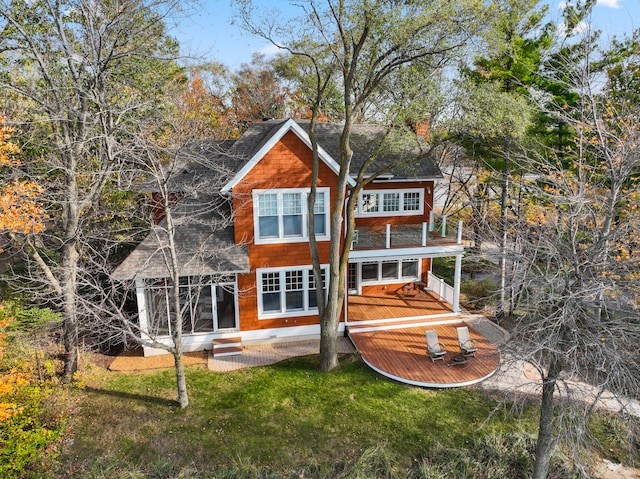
x: 441, y: 288
x: 398, y: 236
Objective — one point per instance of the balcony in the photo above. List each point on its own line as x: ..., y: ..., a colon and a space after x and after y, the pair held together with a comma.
x: 407, y: 236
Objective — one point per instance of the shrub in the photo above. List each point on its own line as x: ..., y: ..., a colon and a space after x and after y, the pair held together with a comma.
x: 30, y: 423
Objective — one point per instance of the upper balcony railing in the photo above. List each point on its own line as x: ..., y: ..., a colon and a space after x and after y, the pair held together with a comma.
x: 433, y: 233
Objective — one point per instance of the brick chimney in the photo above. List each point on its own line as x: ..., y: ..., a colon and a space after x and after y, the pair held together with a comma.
x: 421, y: 127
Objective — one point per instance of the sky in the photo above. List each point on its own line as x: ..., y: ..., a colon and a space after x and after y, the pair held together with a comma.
x: 209, y: 32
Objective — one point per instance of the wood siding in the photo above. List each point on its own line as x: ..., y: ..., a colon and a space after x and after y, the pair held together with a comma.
x: 288, y: 164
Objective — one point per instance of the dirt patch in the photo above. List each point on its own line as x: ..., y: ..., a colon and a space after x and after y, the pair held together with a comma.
x: 609, y: 470
x: 135, y: 361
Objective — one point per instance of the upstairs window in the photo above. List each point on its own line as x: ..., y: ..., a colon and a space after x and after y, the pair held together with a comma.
x: 391, y: 202
x: 281, y: 215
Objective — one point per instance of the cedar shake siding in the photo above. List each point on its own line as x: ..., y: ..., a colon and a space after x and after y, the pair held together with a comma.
x: 288, y: 164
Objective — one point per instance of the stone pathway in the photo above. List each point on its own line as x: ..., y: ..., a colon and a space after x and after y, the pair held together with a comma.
x: 270, y: 353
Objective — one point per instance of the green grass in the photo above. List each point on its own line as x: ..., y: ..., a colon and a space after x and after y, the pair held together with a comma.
x: 290, y: 420
x: 280, y: 417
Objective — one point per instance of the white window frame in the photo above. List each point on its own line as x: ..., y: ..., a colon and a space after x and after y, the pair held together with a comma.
x: 402, y: 211
x: 399, y: 278
x: 281, y: 238
x: 306, y: 310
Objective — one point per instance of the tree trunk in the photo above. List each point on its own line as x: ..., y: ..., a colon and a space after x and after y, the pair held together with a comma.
x: 501, y: 313
x: 70, y: 258
x: 181, y: 378
x: 545, y: 442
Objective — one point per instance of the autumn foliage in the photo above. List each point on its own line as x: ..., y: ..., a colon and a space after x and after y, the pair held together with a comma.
x: 20, y: 210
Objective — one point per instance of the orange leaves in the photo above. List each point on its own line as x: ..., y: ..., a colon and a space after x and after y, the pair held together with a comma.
x: 20, y: 211
x: 9, y: 381
x: 7, y: 149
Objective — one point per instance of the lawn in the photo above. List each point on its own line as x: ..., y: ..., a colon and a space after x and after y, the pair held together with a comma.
x: 287, y: 419
x: 279, y: 417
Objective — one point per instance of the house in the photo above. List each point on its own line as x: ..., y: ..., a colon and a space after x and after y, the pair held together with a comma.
x: 246, y: 275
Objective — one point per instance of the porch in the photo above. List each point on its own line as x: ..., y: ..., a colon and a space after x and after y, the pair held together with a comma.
x: 389, y: 333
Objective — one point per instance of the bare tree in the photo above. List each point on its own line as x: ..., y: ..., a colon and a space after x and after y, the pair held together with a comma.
x: 82, y: 71
x: 190, y: 247
x: 578, y: 318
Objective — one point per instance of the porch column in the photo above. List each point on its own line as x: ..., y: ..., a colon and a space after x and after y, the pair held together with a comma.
x: 141, y: 300
x: 456, y: 284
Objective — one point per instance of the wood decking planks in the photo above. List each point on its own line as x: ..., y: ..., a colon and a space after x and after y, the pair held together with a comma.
x: 401, y: 354
x: 389, y: 306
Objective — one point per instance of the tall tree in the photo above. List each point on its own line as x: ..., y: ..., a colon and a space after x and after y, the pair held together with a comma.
x: 88, y: 73
x: 493, y: 129
x: 579, y: 320
x: 257, y: 93
x: 361, y: 45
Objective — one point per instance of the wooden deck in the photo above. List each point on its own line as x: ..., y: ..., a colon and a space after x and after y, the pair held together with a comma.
x: 389, y: 333
x: 401, y: 354
x: 392, y: 306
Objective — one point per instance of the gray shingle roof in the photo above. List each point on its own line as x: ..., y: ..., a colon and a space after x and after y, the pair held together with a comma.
x: 200, y: 252
x: 409, y: 156
x: 206, y: 247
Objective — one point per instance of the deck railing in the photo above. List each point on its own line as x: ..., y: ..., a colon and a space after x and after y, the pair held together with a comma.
x: 401, y: 236
x: 439, y: 287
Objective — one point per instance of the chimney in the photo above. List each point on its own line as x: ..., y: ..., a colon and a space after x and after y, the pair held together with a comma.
x: 421, y: 127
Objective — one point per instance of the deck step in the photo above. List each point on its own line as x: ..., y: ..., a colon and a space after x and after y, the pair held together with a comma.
x: 226, y: 347
x: 382, y: 324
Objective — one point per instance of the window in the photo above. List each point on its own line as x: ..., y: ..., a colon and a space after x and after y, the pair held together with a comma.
x: 391, y: 202
x: 196, y: 296
x: 411, y: 201
x: 281, y: 215
x: 319, y: 215
x: 409, y: 268
x: 288, y: 292
x: 369, y: 203
x: 292, y: 214
x: 313, y: 294
x: 370, y: 271
x: 389, y: 270
x: 271, y: 292
x: 294, y: 281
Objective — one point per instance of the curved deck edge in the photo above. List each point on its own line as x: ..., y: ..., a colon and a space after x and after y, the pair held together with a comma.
x: 424, y: 384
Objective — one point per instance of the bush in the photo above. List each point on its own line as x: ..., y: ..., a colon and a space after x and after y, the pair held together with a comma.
x: 30, y: 421
x: 478, y: 293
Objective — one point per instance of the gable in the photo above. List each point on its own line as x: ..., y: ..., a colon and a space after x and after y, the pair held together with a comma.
x: 272, y: 140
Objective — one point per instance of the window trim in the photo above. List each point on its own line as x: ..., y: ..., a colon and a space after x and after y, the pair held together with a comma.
x: 282, y: 271
x: 281, y: 238
x: 402, y: 211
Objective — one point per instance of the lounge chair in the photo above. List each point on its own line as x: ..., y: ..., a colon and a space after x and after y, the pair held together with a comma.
x: 467, y: 345
x: 434, y: 347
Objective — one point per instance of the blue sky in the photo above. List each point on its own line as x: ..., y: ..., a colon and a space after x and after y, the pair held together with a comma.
x: 209, y: 31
